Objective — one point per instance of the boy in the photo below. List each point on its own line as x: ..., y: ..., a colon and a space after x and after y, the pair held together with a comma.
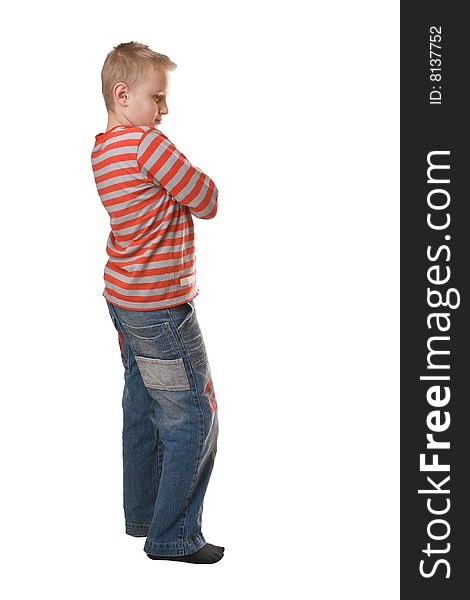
x: 151, y: 191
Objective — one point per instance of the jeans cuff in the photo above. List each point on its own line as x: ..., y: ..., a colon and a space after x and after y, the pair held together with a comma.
x: 175, y: 548
x: 137, y: 529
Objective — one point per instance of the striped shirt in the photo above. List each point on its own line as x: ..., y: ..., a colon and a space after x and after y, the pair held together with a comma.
x: 150, y: 191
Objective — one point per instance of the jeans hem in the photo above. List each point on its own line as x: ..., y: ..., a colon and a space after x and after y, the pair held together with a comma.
x: 137, y: 529
x: 175, y: 548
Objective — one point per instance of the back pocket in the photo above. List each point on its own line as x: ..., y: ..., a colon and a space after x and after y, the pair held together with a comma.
x: 153, y: 341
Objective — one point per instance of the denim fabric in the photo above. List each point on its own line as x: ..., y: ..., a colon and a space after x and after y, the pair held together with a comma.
x: 170, y: 426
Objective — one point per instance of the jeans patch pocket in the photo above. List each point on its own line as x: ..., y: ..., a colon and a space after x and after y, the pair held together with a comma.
x: 158, y: 374
x: 153, y: 341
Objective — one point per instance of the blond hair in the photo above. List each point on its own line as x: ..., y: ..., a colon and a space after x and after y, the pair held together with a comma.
x: 129, y: 62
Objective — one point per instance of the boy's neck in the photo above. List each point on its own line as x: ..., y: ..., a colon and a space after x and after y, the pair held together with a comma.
x: 114, y: 122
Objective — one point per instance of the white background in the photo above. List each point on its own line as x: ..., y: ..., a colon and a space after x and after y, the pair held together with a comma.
x: 293, y: 109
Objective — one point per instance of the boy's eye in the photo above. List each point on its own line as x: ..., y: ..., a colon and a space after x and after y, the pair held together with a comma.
x: 157, y: 98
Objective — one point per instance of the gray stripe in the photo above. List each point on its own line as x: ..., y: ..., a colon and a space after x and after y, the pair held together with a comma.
x: 156, y: 258
x: 141, y: 293
x: 182, y: 195
x: 146, y: 140
x: 113, y: 168
x: 141, y: 213
x: 126, y: 135
x: 178, y: 176
x: 156, y: 252
x: 151, y: 278
x: 145, y: 243
x: 131, y: 190
x: 199, y: 198
x: 156, y: 156
x: 112, y: 152
x: 119, y: 177
x: 136, y: 271
x: 160, y: 233
x: 134, y: 200
x: 155, y: 263
x: 161, y: 228
x: 153, y: 305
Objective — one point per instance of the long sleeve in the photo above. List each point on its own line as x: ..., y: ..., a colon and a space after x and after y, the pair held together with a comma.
x: 161, y: 161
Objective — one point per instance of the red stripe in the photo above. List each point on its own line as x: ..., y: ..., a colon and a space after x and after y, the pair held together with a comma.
x: 131, y: 258
x: 145, y: 272
x: 154, y: 298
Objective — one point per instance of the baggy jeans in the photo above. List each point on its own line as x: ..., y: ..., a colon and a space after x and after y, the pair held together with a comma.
x: 170, y: 426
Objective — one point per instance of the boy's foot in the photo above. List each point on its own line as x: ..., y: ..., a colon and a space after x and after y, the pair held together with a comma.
x: 207, y: 554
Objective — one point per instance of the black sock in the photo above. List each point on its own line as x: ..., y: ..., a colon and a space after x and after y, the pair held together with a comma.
x: 207, y: 554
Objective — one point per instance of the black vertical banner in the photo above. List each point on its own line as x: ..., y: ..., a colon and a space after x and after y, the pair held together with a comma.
x: 434, y: 301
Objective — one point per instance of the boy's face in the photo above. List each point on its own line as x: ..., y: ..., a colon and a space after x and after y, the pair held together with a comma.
x: 146, y: 104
